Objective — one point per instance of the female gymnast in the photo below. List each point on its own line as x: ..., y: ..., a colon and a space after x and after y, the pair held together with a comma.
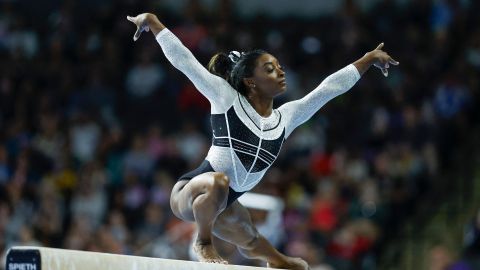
x: 247, y: 136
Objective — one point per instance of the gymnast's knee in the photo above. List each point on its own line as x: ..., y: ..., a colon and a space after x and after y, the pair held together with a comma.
x: 220, y: 180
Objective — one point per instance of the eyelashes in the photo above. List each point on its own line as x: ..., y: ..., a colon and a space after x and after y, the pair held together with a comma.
x: 270, y: 70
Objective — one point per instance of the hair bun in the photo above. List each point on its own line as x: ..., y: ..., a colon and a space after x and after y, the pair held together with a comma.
x: 221, y: 65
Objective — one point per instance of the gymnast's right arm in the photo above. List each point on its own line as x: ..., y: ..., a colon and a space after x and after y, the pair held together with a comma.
x: 214, y: 88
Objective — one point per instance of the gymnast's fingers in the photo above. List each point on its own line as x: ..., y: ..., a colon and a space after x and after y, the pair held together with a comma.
x: 385, y: 72
x: 132, y: 19
x: 137, y: 34
x: 393, y: 62
x: 380, y: 46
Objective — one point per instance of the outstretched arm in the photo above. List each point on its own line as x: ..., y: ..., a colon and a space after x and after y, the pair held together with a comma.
x: 299, y: 111
x: 216, y: 89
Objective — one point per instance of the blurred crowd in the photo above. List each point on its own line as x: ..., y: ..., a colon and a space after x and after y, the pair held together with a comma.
x: 441, y: 256
x: 95, y: 129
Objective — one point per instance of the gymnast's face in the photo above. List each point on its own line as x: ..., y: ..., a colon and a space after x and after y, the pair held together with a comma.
x: 268, y: 77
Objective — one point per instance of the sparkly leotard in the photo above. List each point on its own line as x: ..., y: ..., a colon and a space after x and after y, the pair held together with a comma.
x: 245, y: 144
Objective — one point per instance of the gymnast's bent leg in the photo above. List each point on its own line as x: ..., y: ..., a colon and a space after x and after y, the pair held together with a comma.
x: 234, y: 225
x: 200, y: 200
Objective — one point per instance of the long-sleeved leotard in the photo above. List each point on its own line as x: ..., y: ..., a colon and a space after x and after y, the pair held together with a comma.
x: 245, y: 144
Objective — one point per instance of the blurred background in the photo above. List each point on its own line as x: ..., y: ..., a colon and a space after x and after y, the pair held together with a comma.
x: 95, y: 129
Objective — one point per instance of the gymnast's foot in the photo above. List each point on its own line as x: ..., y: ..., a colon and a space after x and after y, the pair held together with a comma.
x: 290, y: 263
x: 207, y: 253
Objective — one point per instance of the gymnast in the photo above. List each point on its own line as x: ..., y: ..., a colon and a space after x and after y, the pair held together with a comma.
x: 247, y: 136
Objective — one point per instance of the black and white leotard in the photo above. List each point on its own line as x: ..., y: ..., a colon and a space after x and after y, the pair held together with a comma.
x: 245, y: 144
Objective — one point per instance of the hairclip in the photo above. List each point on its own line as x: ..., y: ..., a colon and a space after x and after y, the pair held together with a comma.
x: 235, y: 56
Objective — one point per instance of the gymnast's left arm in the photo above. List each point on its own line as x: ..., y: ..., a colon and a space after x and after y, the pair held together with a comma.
x: 298, y: 111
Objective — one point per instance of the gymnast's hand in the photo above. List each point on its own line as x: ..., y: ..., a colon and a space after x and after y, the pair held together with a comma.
x: 378, y: 58
x: 381, y: 59
x: 146, y: 22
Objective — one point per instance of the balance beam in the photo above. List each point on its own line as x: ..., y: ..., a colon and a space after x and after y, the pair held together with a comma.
x: 40, y: 258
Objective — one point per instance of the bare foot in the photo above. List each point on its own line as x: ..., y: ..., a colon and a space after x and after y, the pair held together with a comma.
x: 207, y: 253
x: 290, y: 263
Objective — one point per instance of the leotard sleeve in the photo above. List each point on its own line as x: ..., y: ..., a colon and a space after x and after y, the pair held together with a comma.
x: 298, y: 111
x: 217, y: 90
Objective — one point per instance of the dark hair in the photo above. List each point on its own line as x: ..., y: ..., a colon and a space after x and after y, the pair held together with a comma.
x: 234, y: 67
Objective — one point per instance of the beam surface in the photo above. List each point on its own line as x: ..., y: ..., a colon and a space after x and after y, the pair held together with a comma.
x: 40, y: 258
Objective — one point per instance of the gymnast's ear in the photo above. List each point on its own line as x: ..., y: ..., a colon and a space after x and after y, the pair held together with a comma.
x: 249, y: 83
